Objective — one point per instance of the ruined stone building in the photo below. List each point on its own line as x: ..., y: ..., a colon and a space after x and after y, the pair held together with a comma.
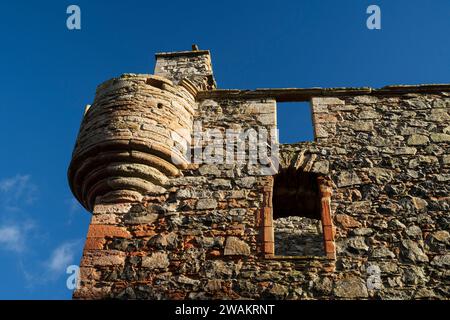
x: 360, y: 212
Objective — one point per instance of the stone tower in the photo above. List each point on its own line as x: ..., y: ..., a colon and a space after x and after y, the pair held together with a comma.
x: 192, y: 196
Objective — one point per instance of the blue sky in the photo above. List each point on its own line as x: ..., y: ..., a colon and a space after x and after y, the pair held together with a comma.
x: 48, y: 75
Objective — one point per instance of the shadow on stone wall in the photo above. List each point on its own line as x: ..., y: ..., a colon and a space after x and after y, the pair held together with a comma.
x: 298, y: 236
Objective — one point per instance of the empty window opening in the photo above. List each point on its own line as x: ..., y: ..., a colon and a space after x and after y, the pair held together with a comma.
x: 294, y: 122
x: 297, y: 214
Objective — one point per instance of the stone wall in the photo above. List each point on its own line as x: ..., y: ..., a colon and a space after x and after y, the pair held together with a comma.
x: 389, y: 163
x: 298, y: 236
x: 205, y: 235
x: 193, y: 65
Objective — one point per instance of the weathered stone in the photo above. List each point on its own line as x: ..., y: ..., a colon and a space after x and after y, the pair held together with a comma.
x: 348, y: 178
x: 140, y: 214
x: 157, y: 260
x: 425, y: 293
x: 266, y: 119
x: 414, y: 275
x: 368, y: 114
x: 214, y: 285
x: 246, y: 182
x: 321, y: 131
x: 185, y: 280
x: 140, y: 219
x: 411, y: 252
x: 418, y: 140
x: 203, y: 204
x: 396, y: 225
x: 365, y: 99
x: 103, y: 258
x: 221, y: 183
x: 364, y: 126
x: 382, y: 252
x: 405, y: 151
x: 414, y: 232
x: 323, y: 286
x: 440, y: 137
x: 442, y: 177
x: 164, y: 241
x: 358, y: 243
x: 234, y: 246
x: 107, y: 218
x: 350, y: 288
x: 321, y: 167
x: 220, y: 269
x: 441, y: 261
x: 347, y: 221
x: 446, y: 159
x: 419, y: 203
x: 327, y: 101
x: 362, y: 232
x: 359, y: 207
x: 209, y: 169
x: 442, y: 236
x: 381, y: 175
x: 277, y: 291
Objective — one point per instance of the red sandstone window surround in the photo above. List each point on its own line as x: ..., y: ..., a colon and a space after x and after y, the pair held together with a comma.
x: 323, y: 208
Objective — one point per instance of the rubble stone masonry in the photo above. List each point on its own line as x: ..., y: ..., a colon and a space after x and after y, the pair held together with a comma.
x: 365, y: 206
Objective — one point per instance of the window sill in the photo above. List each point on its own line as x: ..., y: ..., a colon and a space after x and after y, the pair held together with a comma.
x: 301, y: 258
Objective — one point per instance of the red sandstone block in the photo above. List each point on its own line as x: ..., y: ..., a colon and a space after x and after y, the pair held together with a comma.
x: 268, y: 234
x: 267, y: 199
x: 94, y: 243
x: 347, y: 221
x: 326, y: 215
x: 89, y: 291
x: 267, y: 217
x: 103, y: 230
x: 325, y: 194
x: 177, y: 295
x: 330, y: 247
x: 87, y: 273
x: 102, y: 258
x: 143, y: 233
x: 268, y: 247
x: 331, y: 255
x: 214, y: 254
x: 328, y: 233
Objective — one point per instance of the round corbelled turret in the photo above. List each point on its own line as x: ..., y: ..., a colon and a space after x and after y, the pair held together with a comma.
x: 129, y: 140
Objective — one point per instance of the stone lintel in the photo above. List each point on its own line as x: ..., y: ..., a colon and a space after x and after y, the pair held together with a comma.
x: 182, y: 53
x: 305, y: 94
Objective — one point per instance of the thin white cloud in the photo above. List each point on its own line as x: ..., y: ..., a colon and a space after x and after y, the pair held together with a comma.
x: 16, y: 233
x: 63, y: 256
x: 17, y: 191
x: 11, y: 238
x: 52, y: 268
